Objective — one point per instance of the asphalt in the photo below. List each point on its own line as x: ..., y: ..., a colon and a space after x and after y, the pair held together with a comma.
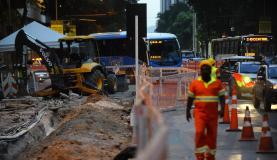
x: 181, y: 136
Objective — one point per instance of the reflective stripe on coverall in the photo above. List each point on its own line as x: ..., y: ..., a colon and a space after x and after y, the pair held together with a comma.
x: 206, y: 97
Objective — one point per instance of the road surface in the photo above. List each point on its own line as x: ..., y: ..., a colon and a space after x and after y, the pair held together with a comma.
x: 181, y: 136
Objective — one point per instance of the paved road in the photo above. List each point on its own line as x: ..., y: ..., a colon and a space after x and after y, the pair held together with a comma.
x: 181, y: 136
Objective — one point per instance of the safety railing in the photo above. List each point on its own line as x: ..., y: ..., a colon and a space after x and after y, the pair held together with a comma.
x: 150, y: 130
x: 168, y: 89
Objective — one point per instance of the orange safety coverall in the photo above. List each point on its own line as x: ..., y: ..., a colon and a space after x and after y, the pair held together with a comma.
x: 206, y: 97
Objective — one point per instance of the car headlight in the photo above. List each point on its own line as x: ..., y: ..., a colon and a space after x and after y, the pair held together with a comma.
x: 275, y: 86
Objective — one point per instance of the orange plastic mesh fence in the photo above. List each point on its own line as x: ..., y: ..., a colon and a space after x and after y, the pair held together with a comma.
x: 156, y: 93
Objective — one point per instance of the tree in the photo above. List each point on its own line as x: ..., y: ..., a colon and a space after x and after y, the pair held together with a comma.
x: 217, y: 17
x: 177, y: 20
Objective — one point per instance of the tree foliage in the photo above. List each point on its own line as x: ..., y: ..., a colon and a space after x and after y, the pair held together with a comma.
x: 216, y: 17
x: 177, y: 20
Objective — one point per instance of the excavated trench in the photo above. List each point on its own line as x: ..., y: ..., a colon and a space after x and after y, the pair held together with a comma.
x: 27, y: 121
x: 26, y: 125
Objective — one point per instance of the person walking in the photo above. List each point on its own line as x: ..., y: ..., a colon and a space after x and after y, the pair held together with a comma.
x: 215, y: 71
x: 205, y: 92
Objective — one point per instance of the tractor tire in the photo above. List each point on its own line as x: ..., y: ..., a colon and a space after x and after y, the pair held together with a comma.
x: 95, y: 79
x: 112, y: 83
x: 122, y: 83
x: 131, y: 76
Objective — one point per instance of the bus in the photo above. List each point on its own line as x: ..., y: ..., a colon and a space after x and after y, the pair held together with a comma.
x: 163, y: 49
x: 246, y: 45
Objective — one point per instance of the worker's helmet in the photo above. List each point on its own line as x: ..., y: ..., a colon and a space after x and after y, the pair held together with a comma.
x: 205, y: 62
x: 212, y: 61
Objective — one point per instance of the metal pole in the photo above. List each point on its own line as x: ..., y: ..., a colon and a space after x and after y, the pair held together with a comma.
x: 194, y: 34
x: 56, y: 5
x: 136, y: 56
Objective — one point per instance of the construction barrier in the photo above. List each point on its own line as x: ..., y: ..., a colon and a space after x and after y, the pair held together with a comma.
x: 150, y: 130
x: 192, y: 65
x: 156, y: 93
x: 169, y: 85
x: 9, y: 85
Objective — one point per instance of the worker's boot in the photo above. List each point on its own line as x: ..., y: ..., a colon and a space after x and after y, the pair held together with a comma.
x: 199, y: 156
x: 209, y: 156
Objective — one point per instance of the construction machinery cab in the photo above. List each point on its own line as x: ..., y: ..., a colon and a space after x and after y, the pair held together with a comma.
x: 71, y: 67
x: 76, y: 50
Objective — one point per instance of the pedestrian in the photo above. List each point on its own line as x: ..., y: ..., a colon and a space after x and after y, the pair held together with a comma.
x: 215, y: 71
x: 205, y: 92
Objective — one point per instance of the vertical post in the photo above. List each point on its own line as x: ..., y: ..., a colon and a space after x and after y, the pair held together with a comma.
x: 136, y: 56
x: 194, y: 33
x: 56, y: 6
x: 9, y: 8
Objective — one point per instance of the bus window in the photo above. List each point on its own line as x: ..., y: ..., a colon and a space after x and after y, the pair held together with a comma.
x: 164, y: 52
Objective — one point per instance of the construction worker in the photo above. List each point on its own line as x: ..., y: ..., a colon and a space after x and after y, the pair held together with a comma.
x: 206, y: 91
x: 215, y: 71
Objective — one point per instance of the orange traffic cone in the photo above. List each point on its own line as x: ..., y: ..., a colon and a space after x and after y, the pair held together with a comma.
x: 226, y: 118
x: 234, y: 115
x: 247, y: 133
x: 266, y: 141
x: 247, y: 116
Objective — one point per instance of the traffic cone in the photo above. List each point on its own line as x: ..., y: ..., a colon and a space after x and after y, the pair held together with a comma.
x: 247, y: 116
x: 266, y: 141
x: 234, y: 115
x: 247, y: 133
x: 226, y: 118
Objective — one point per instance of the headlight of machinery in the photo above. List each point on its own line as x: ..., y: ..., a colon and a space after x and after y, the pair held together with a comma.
x: 275, y: 86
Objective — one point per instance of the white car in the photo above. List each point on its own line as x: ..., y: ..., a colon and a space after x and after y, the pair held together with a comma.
x: 248, y: 71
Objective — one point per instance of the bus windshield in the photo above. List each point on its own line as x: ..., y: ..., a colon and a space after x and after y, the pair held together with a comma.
x: 164, y: 52
x: 258, y: 48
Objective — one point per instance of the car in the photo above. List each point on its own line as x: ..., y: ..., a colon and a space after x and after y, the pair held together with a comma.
x: 41, y: 76
x: 188, y: 55
x: 265, y: 88
x: 271, y: 60
x: 229, y: 66
x: 245, y: 78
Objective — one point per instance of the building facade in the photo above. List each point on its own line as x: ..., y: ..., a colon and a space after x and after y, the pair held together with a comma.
x: 165, y: 4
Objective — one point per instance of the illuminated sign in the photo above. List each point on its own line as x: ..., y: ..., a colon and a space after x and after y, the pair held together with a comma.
x: 156, y: 42
x: 250, y: 54
x: 257, y: 39
x: 36, y: 59
x: 155, y: 57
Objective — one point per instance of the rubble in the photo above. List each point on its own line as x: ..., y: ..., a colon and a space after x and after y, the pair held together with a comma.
x: 69, y: 127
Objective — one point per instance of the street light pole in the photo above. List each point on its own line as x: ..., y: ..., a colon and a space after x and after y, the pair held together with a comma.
x: 194, y: 33
x: 56, y: 6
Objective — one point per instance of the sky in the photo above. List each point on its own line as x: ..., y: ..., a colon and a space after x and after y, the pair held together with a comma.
x: 153, y: 8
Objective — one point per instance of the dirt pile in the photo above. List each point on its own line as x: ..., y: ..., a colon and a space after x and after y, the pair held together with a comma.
x: 96, y: 130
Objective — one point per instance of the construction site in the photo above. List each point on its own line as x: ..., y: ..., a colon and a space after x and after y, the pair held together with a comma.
x: 110, y: 94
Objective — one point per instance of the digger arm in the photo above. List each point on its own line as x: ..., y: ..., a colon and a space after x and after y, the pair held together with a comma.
x: 48, y: 55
